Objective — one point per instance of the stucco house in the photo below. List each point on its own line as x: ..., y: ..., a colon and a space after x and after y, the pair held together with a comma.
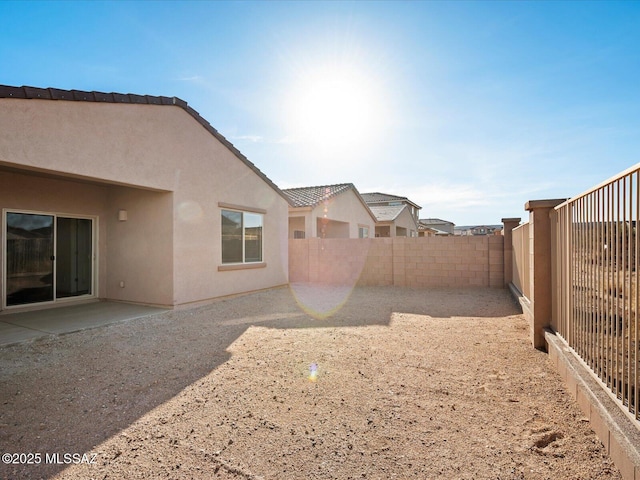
x: 329, y: 211
x: 129, y: 198
x: 394, y: 221
x: 435, y: 227
x: 477, y: 230
x: 391, y: 217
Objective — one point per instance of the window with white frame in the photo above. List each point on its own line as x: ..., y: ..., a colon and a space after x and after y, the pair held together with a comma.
x: 241, y: 237
x: 363, y: 232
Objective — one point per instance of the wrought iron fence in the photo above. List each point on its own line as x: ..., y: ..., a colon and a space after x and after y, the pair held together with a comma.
x: 595, y: 282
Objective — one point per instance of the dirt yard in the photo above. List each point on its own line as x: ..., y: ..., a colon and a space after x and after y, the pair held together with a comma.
x: 319, y: 384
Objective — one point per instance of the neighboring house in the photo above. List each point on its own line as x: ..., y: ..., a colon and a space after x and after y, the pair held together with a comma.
x: 437, y: 225
x: 394, y: 221
x: 129, y: 198
x: 428, y: 231
x: 478, y: 230
x: 329, y: 211
x: 377, y: 199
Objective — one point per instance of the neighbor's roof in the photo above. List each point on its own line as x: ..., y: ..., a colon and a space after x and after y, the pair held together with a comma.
x: 24, y: 92
x: 470, y: 227
x: 312, y: 196
x: 434, y: 221
x: 377, y: 197
x: 437, y: 231
x: 386, y: 213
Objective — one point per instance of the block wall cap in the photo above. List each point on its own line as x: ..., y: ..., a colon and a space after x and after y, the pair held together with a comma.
x: 533, y: 204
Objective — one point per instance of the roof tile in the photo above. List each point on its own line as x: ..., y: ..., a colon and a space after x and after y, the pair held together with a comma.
x: 377, y: 197
x: 57, y: 94
x: 151, y: 100
x: 133, y: 98
x: 103, y: 97
x: 83, y: 96
x: 7, y: 91
x: 386, y: 213
x: 312, y: 196
x: 180, y: 103
x: 121, y: 98
x: 380, y: 197
x: 31, y: 92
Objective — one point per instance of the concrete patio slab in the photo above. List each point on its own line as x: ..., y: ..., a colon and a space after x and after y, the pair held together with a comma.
x: 25, y: 326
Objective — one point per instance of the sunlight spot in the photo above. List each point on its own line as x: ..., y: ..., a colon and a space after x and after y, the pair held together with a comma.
x: 335, y: 108
x: 189, y: 211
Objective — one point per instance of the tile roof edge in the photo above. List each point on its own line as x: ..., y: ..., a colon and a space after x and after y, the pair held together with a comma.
x: 350, y: 186
x: 333, y: 194
x: 31, y: 93
x: 395, y: 198
x: 320, y: 186
x: 365, y: 204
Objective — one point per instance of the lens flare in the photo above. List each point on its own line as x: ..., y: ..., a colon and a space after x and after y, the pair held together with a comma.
x: 321, y: 301
x: 313, y: 372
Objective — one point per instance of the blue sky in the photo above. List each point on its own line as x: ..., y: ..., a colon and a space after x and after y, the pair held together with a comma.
x: 468, y: 108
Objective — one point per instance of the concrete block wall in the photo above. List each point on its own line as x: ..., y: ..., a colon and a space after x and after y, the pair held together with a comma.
x: 412, y: 262
x: 378, y: 267
x: 336, y: 261
x: 299, y: 268
x: 617, y: 431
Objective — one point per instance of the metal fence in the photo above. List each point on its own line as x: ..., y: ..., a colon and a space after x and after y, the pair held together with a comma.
x: 595, y: 282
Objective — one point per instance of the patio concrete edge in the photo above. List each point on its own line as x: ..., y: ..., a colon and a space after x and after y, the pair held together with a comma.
x: 617, y: 432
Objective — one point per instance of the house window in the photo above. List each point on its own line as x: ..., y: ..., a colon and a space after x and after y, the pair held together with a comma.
x: 241, y: 237
x: 363, y: 232
x: 299, y: 234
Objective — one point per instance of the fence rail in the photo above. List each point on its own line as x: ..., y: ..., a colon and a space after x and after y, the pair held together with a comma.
x: 595, y: 250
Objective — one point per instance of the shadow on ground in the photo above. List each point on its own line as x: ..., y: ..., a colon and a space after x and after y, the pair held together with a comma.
x: 101, y: 381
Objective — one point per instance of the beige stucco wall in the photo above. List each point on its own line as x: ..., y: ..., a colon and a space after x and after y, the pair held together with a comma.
x: 20, y: 192
x: 156, y: 149
x: 140, y: 249
x: 406, y: 220
x: 111, y: 142
x: 395, y: 228
x: 345, y: 207
x: 296, y: 223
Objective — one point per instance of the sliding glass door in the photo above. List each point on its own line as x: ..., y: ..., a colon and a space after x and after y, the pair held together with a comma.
x: 47, y: 257
x: 73, y: 257
x: 29, y: 258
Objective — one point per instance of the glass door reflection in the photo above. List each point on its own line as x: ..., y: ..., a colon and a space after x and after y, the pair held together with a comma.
x: 30, y: 256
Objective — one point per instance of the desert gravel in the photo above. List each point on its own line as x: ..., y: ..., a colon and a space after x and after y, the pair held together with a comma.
x: 309, y: 382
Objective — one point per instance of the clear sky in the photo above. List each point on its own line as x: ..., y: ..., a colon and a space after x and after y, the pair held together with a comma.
x: 468, y: 108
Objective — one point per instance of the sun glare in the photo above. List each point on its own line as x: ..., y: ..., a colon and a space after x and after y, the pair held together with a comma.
x: 335, y: 109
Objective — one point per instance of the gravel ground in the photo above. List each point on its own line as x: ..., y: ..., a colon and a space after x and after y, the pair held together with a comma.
x: 307, y: 383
